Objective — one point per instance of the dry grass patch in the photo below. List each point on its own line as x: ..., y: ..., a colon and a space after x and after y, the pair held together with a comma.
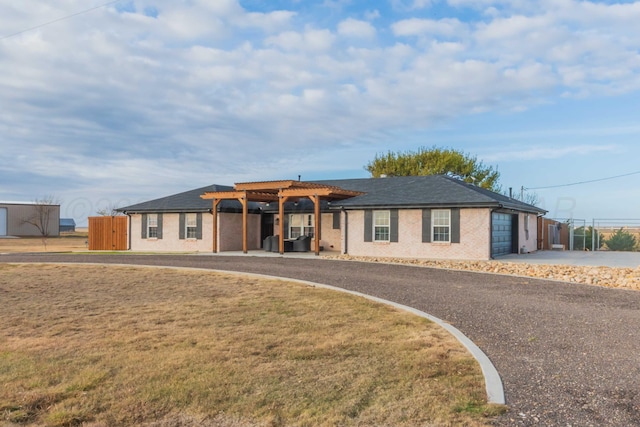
x: 68, y: 242
x: 106, y: 345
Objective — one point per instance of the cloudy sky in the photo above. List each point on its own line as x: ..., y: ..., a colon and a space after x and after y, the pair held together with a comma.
x: 112, y: 103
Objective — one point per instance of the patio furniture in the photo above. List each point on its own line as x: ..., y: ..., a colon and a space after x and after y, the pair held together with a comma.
x: 266, y: 243
x: 302, y: 244
x: 275, y: 243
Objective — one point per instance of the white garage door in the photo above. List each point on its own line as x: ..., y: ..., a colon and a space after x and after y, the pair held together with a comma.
x: 3, y: 221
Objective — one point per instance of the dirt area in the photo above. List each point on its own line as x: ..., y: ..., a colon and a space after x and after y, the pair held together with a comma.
x: 72, y: 242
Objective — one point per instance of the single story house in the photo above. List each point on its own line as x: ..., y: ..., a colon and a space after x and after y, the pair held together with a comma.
x: 435, y: 217
x: 26, y: 219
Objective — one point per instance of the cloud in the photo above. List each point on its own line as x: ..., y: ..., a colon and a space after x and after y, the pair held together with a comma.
x: 200, y: 92
x: 411, y: 4
x: 357, y: 29
x: 547, y: 152
x: 419, y: 27
x: 308, y: 40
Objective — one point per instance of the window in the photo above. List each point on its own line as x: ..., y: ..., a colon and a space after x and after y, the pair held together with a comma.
x: 441, y: 225
x: 191, y: 224
x: 152, y: 226
x: 381, y: 226
x: 301, y: 225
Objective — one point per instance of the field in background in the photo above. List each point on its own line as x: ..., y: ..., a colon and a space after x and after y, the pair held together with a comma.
x: 67, y: 242
x: 105, y: 345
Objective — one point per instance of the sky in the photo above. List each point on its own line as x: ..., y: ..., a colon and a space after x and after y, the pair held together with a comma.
x: 106, y: 104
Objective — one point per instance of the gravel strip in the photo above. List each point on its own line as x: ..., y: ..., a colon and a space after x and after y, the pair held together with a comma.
x: 568, y: 354
x: 611, y: 277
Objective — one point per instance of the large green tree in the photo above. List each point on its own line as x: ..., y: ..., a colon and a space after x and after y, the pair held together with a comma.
x: 435, y: 161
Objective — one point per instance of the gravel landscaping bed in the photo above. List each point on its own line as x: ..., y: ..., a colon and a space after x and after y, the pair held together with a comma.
x: 628, y: 278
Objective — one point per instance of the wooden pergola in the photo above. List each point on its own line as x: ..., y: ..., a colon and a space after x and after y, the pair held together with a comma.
x: 272, y: 191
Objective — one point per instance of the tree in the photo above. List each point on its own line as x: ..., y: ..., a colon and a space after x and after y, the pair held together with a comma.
x: 589, y: 235
x: 621, y: 241
x: 435, y: 161
x: 109, y: 210
x: 41, y: 217
x: 525, y: 197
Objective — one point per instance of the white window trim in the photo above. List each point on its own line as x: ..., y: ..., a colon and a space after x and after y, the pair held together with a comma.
x: 306, y: 223
x: 374, y: 226
x: 152, y: 219
x: 193, y: 225
x: 434, y: 225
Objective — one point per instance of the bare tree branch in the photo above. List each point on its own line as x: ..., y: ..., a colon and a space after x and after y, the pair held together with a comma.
x: 41, y: 217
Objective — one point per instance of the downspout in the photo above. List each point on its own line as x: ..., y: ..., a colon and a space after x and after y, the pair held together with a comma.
x: 540, y: 245
x: 128, y: 231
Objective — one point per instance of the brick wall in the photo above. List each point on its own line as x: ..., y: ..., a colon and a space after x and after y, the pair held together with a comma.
x: 475, y: 226
x: 230, y: 232
x: 170, y: 241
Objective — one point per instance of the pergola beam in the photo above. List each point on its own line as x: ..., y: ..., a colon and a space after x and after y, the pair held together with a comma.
x: 280, y: 191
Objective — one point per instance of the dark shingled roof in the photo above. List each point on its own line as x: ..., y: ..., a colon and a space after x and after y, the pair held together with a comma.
x: 188, y: 201
x: 423, y: 191
x: 401, y: 192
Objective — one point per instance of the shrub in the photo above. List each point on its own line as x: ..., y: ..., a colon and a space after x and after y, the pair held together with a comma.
x: 621, y: 241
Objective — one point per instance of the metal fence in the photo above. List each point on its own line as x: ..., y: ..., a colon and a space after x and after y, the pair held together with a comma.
x: 603, y: 228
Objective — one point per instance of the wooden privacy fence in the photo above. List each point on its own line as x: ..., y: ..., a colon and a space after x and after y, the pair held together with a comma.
x: 108, y: 233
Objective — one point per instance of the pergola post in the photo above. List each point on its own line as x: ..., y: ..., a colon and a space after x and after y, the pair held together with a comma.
x: 281, y: 201
x: 214, y: 211
x: 245, y: 216
x: 316, y: 213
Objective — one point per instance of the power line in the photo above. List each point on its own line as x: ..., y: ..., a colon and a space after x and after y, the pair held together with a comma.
x: 583, y: 182
x: 59, y: 19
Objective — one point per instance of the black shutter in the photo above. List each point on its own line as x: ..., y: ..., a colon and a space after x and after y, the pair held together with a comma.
x: 455, y: 225
x: 159, y: 226
x: 336, y: 220
x: 426, y: 225
x: 199, y: 226
x: 393, y: 220
x: 144, y: 226
x: 368, y: 226
x: 181, y: 227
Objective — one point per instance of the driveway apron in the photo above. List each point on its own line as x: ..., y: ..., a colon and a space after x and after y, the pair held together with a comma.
x: 568, y: 354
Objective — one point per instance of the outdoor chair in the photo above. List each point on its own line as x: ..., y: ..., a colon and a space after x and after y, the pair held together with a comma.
x: 275, y: 242
x: 266, y: 243
x: 302, y: 244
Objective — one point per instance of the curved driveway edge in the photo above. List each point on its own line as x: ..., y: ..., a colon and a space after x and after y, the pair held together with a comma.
x: 568, y: 354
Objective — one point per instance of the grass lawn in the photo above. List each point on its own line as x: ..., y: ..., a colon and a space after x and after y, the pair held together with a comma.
x: 109, y: 345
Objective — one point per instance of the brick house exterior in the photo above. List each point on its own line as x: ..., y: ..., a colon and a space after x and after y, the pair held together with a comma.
x: 433, y: 217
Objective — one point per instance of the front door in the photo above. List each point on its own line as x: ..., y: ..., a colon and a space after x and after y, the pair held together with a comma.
x: 266, y: 226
